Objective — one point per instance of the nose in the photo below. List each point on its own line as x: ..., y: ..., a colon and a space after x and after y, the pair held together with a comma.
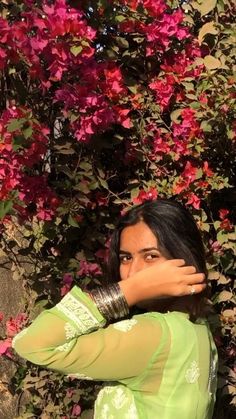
x: 135, y: 265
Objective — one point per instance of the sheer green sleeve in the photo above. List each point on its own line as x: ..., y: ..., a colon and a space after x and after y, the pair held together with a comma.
x: 72, y: 339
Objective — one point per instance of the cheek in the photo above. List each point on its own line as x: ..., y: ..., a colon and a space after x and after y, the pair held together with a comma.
x: 123, y: 272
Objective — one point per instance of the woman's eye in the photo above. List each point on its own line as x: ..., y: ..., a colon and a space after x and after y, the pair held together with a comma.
x: 125, y: 259
x: 151, y: 256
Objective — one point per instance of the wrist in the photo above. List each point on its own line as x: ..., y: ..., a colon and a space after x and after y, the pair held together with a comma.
x: 130, y: 291
x: 110, y: 301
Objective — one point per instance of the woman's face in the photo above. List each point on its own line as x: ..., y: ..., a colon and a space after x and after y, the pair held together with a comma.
x: 138, y: 250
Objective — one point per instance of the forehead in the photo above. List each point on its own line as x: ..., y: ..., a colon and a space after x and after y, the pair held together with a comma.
x: 137, y: 237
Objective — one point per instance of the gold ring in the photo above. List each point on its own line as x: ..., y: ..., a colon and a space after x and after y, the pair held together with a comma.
x: 192, y: 291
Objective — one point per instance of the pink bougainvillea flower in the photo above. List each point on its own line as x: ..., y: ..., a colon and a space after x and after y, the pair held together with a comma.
x: 67, y: 278
x: 70, y: 392
x: 155, y: 7
x: 76, y: 410
x: 89, y: 269
x: 14, y: 325
x: 143, y: 196
x: 67, y: 281
x: 122, y: 117
x: 5, y: 345
x: 161, y: 144
x: 206, y: 169
x: 104, y: 253
x: 223, y: 213
x: 65, y: 289
x: 114, y: 85
x: 101, y: 199
x: 189, y: 172
x: 164, y: 90
x: 1, y: 316
x: 194, y: 200
x: 216, y: 247
x: 180, y: 185
x: 226, y: 225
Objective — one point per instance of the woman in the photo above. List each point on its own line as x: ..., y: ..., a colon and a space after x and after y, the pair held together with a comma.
x: 159, y: 364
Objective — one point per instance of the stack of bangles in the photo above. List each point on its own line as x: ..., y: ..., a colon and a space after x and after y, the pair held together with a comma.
x: 110, y: 301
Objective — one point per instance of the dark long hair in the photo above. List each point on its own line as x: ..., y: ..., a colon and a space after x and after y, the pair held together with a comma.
x: 178, y: 238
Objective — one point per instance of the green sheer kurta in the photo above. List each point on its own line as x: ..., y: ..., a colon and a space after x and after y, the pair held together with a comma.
x: 157, y: 366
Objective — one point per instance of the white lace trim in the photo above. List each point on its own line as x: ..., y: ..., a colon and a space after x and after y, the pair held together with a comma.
x: 76, y: 311
x: 193, y: 372
x: 65, y: 347
x: 125, y: 325
x: 19, y: 335
x: 70, y: 331
x: 79, y: 376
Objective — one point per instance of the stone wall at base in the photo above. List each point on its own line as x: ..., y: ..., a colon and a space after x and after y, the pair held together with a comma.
x: 11, y: 303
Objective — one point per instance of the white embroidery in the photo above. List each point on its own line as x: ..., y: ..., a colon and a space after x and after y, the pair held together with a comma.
x: 79, y: 376
x: 212, y: 376
x: 132, y: 412
x: 70, y: 331
x: 18, y: 336
x: 102, y: 392
x: 119, y: 398
x: 192, y: 374
x: 125, y: 325
x: 79, y: 313
x: 65, y: 347
x: 105, y: 413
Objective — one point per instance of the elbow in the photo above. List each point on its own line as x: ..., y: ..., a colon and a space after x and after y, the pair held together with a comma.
x: 30, y: 351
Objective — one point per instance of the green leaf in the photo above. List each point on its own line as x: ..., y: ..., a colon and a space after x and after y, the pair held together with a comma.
x: 209, y: 27
x: 205, y: 6
x: 175, y: 115
x: 211, y: 63
x: 5, y: 208
x: 27, y: 132
x: 195, y: 105
x: 15, y: 124
x: 206, y: 127
x: 133, y: 89
x: 103, y: 183
x: 122, y: 42
x: 85, y: 166
x: 120, y: 18
x: 224, y: 296
x: 72, y: 222
x: 222, y: 237
x: 18, y: 142
x: 191, y: 96
x: 76, y: 50
x: 38, y: 308
x: 12, y: 70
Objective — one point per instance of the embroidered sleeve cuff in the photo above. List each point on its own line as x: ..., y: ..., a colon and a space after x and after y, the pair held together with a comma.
x: 79, y: 308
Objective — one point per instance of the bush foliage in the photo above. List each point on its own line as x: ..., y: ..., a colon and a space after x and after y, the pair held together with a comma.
x: 106, y: 104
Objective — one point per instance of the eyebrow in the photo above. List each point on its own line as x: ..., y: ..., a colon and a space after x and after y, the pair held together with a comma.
x: 147, y: 249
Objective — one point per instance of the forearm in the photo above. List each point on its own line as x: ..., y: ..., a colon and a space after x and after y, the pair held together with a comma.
x: 75, y: 315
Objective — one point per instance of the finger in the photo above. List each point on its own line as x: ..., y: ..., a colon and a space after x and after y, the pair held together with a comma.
x: 196, y: 289
x: 187, y: 270
x: 177, y: 262
x: 195, y: 278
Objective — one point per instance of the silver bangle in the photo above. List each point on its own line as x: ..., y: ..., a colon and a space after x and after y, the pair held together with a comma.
x: 110, y: 301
